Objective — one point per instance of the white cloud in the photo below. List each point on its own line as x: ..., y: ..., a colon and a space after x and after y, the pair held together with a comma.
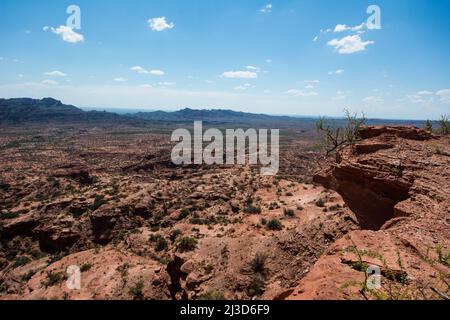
x: 343, y: 27
x: 160, y: 24
x: 49, y: 82
x: 46, y: 28
x: 309, y: 86
x: 66, y: 33
x: 252, y: 68
x: 349, y: 44
x: 157, y: 72
x: 120, y: 79
x: 267, y: 8
x: 139, y: 69
x: 444, y: 94
x: 337, y: 72
x: 55, y: 73
x: 425, y: 93
x: 316, y: 38
x: 301, y: 93
x: 268, y: 60
x: 240, y: 75
x: 146, y: 86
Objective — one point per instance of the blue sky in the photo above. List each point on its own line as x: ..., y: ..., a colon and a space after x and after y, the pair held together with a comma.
x: 277, y: 57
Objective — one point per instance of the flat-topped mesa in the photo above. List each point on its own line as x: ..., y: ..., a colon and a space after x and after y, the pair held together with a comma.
x: 378, y: 172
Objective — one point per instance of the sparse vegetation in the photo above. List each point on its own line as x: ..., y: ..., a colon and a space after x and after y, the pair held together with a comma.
x: 288, y: 212
x: 443, y: 125
x: 275, y: 225
x: 54, y: 278
x: 187, y: 244
x: 428, y: 126
x: 320, y: 203
x: 86, y: 267
x: 211, y: 296
x: 258, y: 263
x: 136, y: 291
x: 335, y: 137
x: 256, y: 286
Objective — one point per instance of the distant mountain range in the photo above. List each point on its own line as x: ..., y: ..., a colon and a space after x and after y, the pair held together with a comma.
x: 23, y: 110
x: 49, y: 110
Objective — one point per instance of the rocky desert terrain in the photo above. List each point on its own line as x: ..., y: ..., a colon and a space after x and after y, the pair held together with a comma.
x: 108, y: 200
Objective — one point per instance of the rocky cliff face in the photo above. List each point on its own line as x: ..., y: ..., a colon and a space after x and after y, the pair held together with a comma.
x: 397, y: 182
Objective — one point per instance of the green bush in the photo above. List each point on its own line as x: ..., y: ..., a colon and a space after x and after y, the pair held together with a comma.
x: 288, y: 212
x: 256, y: 286
x: 274, y: 224
x: 258, y: 263
x: 320, y: 203
x: 136, y: 291
x: 187, y: 244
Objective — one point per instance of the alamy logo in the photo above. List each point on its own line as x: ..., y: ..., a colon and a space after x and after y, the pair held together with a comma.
x: 74, y: 20
x: 74, y: 278
x: 189, y: 151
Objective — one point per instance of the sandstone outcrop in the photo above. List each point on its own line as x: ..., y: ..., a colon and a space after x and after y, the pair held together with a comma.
x: 396, y: 181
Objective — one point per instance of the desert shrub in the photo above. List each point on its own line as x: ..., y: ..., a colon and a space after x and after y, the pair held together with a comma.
x: 258, y: 263
x: 184, y: 214
x: 174, y: 235
x: 443, y: 257
x: 21, y: 261
x: 444, y: 125
x: 256, y: 286
x: 428, y: 126
x: 250, y: 209
x: 336, y: 137
x: 9, y: 215
x: 274, y: 224
x: 136, y: 290
x: 53, y: 278
x: 187, y: 244
x: 159, y: 242
x: 288, y: 212
x: 320, y: 203
x: 86, y: 267
x: 211, y: 296
x: 336, y: 207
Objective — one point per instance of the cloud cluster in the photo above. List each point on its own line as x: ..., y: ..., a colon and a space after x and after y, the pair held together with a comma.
x: 66, y: 33
x: 267, y: 8
x: 55, y: 73
x: 343, y: 27
x: 349, y: 44
x: 240, y: 75
x: 160, y: 24
x: 141, y: 70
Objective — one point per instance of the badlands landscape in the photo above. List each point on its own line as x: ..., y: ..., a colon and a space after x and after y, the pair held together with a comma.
x: 98, y: 191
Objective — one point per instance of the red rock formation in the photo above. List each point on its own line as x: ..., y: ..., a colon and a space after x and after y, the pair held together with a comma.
x: 396, y: 181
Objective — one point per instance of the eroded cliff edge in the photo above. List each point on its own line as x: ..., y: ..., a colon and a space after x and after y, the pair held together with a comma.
x: 397, y: 182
